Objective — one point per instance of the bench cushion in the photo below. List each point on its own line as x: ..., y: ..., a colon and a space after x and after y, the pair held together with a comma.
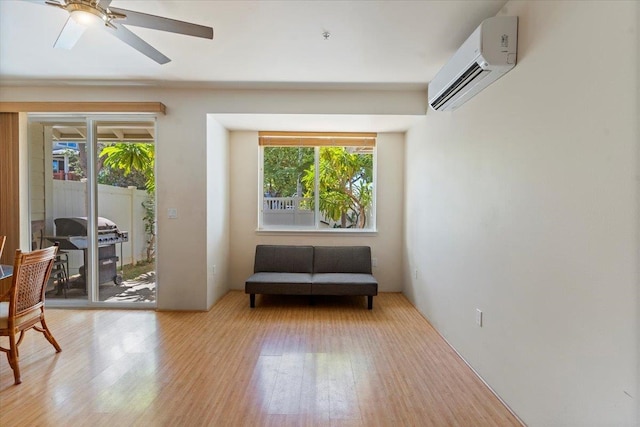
x: 283, y: 258
x: 342, y: 259
x: 344, y: 284
x: 278, y: 283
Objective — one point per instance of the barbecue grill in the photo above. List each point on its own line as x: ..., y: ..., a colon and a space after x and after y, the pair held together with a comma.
x: 71, y: 234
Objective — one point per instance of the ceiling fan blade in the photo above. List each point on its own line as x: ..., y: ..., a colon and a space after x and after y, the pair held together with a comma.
x: 61, y: 3
x: 163, y: 24
x: 69, y: 35
x: 55, y: 3
x: 137, y: 43
x: 42, y: 1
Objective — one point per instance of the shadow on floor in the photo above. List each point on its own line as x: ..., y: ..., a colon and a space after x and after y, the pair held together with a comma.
x: 140, y: 289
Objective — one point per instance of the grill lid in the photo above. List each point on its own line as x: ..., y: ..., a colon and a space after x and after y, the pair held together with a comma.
x: 77, y: 226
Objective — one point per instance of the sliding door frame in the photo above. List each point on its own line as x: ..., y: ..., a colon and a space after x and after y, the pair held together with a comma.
x: 91, y: 122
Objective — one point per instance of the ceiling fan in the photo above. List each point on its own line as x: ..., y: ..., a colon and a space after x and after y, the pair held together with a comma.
x: 84, y: 13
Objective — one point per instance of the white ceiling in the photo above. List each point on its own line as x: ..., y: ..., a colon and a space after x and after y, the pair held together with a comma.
x: 256, y: 43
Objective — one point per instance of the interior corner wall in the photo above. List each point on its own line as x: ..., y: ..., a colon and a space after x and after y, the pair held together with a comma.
x: 386, y: 244
x: 523, y: 203
x: 217, y: 210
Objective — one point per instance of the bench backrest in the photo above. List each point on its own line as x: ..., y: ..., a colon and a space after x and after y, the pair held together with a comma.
x: 342, y: 259
x: 283, y: 259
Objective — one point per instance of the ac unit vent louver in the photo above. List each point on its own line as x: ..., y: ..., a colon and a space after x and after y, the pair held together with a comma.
x: 473, y: 72
x: 488, y: 53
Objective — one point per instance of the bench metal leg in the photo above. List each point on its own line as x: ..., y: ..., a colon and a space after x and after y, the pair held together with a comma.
x: 370, y: 302
x: 252, y: 300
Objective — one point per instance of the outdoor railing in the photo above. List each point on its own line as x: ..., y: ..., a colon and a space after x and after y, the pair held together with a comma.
x: 287, y: 203
x: 288, y: 211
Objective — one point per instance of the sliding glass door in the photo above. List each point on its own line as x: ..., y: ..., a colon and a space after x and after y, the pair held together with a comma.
x: 126, y: 211
x: 92, y: 193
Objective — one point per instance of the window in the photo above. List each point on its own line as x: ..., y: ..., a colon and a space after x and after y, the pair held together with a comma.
x: 316, y: 180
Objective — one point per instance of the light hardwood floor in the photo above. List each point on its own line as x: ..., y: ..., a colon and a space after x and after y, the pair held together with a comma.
x: 284, y: 363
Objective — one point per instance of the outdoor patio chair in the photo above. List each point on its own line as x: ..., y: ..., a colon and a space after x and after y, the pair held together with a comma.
x: 24, y: 308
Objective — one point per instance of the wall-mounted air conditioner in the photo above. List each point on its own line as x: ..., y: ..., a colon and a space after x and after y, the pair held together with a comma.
x: 483, y: 58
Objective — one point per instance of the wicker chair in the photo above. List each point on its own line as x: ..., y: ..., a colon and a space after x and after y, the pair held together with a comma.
x: 24, y: 307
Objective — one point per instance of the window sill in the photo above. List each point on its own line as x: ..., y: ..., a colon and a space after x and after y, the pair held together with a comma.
x: 307, y: 232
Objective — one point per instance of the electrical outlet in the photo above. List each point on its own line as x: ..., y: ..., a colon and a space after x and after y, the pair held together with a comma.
x: 172, y: 213
x: 213, y: 269
x: 478, y: 317
x: 374, y: 262
x: 415, y: 274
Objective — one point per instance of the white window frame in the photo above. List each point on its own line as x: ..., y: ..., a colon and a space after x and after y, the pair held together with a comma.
x: 316, y: 228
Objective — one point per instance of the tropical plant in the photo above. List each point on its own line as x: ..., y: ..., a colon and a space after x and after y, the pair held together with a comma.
x: 79, y: 164
x: 284, y: 168
x: 345, y: 185
x: 149, y: 220
x: 117, y: 178
x: 137, y: 158
x: 75, y: 165
x: 131, y: 156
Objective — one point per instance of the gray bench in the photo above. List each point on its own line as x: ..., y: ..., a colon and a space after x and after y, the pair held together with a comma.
x: 312, y: 270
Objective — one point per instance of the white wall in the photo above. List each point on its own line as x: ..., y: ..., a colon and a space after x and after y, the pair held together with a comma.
x: 217, y: 210
x: 524, y: 203
x: 386, y: 244
x: 184, y: 256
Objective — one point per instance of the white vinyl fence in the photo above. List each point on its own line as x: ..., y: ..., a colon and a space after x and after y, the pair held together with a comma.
x: 287, y: 211
x: 120, y: 205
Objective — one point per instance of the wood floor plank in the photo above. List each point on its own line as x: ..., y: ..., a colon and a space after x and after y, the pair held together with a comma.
x: 288, y: 387
x: 284, y: 363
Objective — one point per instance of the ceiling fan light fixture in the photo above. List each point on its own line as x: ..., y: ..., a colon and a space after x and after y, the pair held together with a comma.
x: 86, y: 19
x: 86, y: 15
